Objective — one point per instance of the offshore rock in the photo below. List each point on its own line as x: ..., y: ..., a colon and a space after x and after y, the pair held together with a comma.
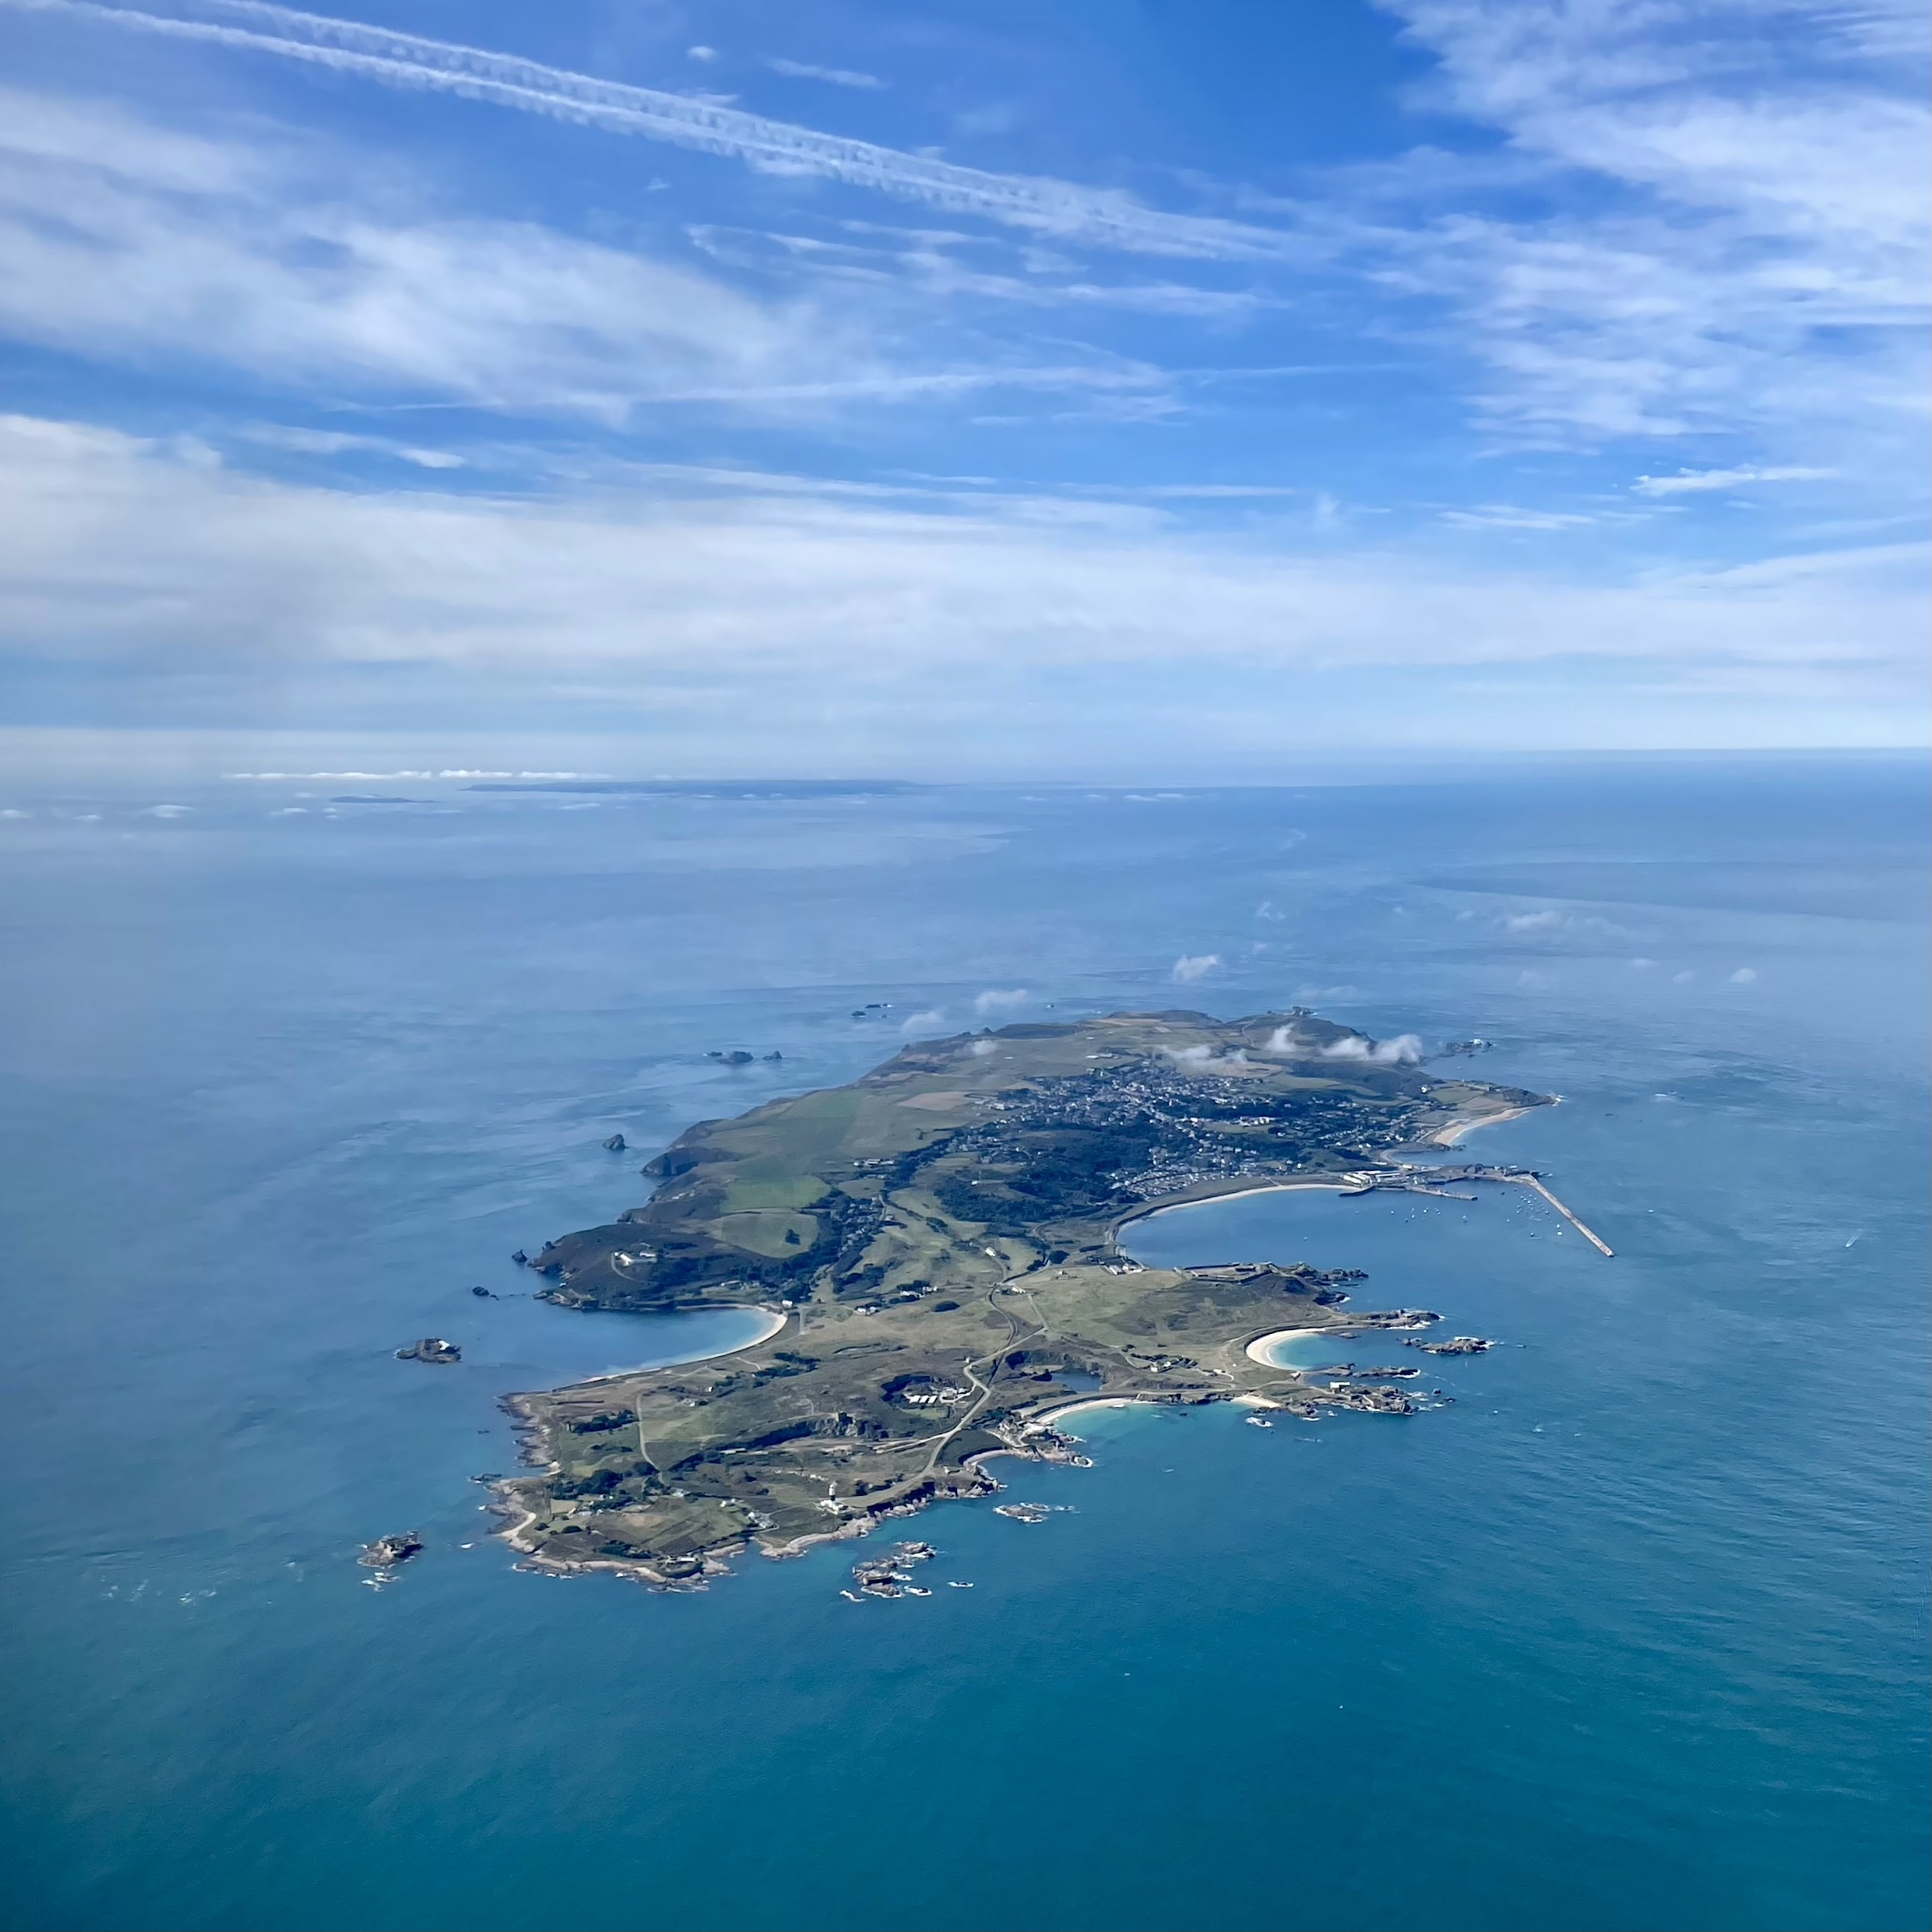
x: 432, y: 1348
x: 386, y: 1552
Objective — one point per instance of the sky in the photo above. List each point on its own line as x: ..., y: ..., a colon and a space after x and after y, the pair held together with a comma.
x: 1132, y: 388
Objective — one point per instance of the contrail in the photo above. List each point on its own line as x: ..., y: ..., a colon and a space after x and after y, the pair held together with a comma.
x: 1097, y: 215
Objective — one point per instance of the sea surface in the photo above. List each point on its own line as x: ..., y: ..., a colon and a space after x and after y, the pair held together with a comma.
x: 1632, y: 1635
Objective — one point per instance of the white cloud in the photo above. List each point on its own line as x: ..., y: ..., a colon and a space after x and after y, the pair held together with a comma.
x: 1744, y: 976
x: 1206, y: 1059
x: 934, y: 264
x: 1404, y: 1051
x: 1195, y: 966
x: 1687, y: 481
x: 1098, y: 216
x: 838, y: 77
x: 993, y: 1000
x: 929, y: 1022
x: 119, y: 550
x: 1732, y: 230
x: 1728, y: 237
x: 1508, y: 516
x: 309, y: 268
x: 1552, y: 921
x: 212, y: 251
x: 335, y: 442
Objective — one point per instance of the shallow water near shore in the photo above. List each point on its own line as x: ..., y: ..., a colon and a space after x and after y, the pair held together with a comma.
x: 1631, y: 1636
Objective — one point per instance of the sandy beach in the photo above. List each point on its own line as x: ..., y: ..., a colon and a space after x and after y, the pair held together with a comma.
x: 1073, y: 1408
x: 1448, y: 1136
x: 1338, y: 1185
x: 1259, y: 1350
x: 776, y: 1320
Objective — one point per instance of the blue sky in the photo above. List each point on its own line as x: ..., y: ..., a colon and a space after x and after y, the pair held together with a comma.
x: 1177, y: 389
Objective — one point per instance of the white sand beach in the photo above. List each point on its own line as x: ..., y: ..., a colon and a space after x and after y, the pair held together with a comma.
x: 776, y: 1320
x: 1448, y: 1136
x: 1088, y: 1402
x: 1262, y: 1349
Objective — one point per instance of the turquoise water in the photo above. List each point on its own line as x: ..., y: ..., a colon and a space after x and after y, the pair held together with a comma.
x: 1633, y: 1635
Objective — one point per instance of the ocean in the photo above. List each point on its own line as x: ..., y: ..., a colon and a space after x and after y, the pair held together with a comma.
x: 1633, y: 1635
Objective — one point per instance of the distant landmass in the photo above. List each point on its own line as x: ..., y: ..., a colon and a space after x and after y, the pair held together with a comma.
x: 719, y: 787
x: 935, y: 1246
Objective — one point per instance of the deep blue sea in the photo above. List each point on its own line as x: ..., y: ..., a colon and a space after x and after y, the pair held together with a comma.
x: 1632, y: 1636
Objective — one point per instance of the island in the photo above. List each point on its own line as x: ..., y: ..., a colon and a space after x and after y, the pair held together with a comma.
x: 934, y: 1247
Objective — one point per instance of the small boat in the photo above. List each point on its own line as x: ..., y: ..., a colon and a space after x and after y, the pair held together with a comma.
x: 956, y: 1585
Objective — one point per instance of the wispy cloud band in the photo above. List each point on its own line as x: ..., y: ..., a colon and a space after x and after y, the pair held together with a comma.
x: 1692, y: 482
x: 1097, y: 217
x: 117, y: 545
